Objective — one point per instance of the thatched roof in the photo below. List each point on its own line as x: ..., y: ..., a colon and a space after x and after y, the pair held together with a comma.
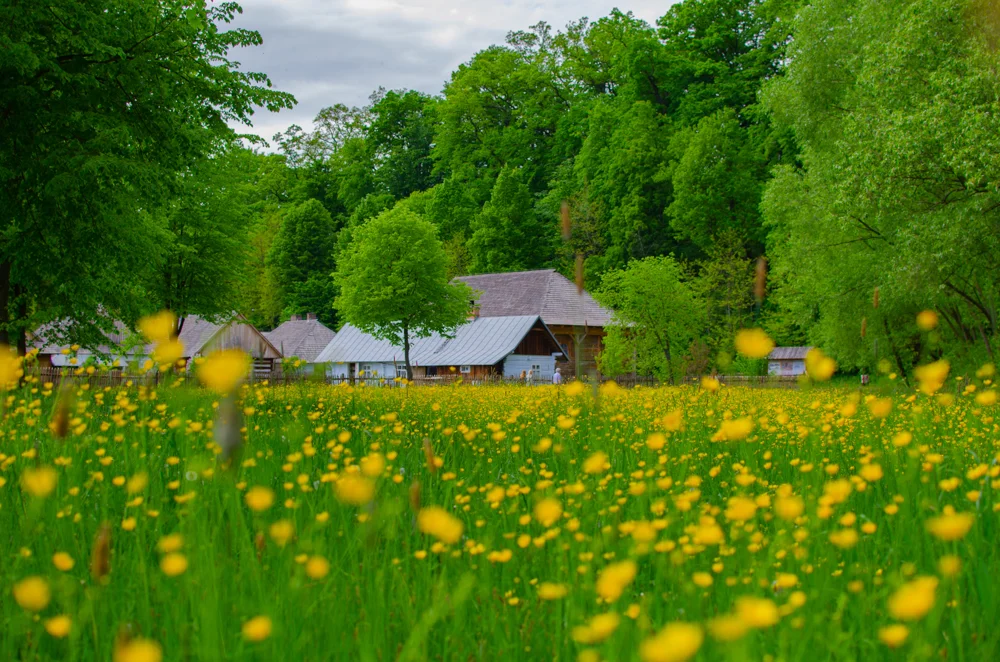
x: 545, y: 293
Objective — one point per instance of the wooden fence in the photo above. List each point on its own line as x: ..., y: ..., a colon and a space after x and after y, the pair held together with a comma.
x: 118, y: 378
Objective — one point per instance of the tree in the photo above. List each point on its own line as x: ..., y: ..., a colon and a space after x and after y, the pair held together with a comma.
x: 657, y: 314
x: 400, y: 138
x: 101, y: 103
x: 394, y: 285
x: 204, y: 255
x: 894, y: 105
x: 717, y: 184
x: 303, y: 261
x: 725, y: 283
x: 507, y: 235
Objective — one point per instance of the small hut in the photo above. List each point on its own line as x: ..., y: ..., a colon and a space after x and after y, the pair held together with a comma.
x: 201, y: 336
x: 787, y: 361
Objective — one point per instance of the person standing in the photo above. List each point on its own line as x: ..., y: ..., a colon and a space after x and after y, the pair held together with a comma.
x: 531, y: 377
x: 557, y: 377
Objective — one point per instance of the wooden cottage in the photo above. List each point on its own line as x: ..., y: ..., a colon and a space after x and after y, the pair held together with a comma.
x: 301, y: 337
x: 482, y: 347
x: 201, y: 337
x: 574, y: 318
x: 787, y: 361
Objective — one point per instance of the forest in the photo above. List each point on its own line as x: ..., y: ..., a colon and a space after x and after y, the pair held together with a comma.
x: 823, y: 169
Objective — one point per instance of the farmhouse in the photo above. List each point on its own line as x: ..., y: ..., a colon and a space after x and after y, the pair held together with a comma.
x: 301, y: 337
x: 787, y: 361
x: 484, y: 346
x: 575, y: 318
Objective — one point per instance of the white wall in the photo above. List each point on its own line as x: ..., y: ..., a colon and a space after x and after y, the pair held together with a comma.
x: 786, y: 368
x: 543, y: 365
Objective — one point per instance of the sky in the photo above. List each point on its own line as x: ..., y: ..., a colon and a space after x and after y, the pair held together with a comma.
x: 339, y: 51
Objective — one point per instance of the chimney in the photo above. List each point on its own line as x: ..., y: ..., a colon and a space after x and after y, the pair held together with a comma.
x: 473, y: 309
x: 310, y: 316
x: 295, y: 318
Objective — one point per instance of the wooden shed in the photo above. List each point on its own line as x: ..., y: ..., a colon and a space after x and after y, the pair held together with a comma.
x: 201, y: 336
x: 787, y: 361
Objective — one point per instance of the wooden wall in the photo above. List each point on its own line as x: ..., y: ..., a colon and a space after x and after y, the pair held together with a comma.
x: 591, y: 344
x: 242, y: 336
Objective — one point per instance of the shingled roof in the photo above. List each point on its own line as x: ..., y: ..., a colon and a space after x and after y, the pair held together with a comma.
x: 545, y: 293
x: 302, y: 338
x: 788, y: 353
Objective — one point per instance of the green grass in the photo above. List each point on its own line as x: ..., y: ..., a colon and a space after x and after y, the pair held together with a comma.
x: 381, y: 602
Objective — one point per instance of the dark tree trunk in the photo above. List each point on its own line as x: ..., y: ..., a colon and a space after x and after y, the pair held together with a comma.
x: 5, y: 303
x: 895, y: 353
x: 406, y: 352
x: 670, y: 361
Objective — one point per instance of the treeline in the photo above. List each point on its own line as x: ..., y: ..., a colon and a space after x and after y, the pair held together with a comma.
x: 655, y: 136
x: 849, y: 144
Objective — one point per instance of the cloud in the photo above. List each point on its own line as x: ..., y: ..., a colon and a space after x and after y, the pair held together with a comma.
x: 339, y: 51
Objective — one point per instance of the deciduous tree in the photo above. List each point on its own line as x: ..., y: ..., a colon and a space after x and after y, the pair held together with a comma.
x: 394, y: 284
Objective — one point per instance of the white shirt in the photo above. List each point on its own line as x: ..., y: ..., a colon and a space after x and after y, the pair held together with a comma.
x: 557, y: 378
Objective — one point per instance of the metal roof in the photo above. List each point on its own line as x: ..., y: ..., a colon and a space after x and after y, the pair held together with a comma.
x: 788, y: 353
x: 482, y: 341
x: 302, y: 338
x: 546, y: 293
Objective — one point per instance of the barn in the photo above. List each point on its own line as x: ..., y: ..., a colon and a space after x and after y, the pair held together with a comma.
x: 787, y: 361
x: 574, y: 317
x: 482, y: 347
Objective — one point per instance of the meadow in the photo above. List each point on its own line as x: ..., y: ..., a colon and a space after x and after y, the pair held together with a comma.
x: 501, y: 522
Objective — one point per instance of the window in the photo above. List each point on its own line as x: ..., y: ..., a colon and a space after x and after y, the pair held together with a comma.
x: 465, y: 369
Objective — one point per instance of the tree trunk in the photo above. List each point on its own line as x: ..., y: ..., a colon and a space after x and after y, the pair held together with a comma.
x: 406, y: 352
x: 986, y: 341
x: 670, y: 361
x: 20, y: 333
x: 895, y: 353
x: 5, y: 302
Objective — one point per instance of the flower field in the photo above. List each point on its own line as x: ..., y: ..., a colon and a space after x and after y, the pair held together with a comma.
x: 463, y: 523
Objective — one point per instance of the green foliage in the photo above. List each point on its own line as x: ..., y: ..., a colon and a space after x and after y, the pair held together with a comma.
x: 101, y: 104
x: 204, y: 258
x: 303, y: 260
x: 658, y: 315
x: 507, y: 235
x: 717, y: 183
x: 394, y: 284
x: 894, y: 105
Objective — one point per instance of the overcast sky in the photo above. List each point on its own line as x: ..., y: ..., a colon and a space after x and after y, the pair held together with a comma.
x: 339, y: 51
